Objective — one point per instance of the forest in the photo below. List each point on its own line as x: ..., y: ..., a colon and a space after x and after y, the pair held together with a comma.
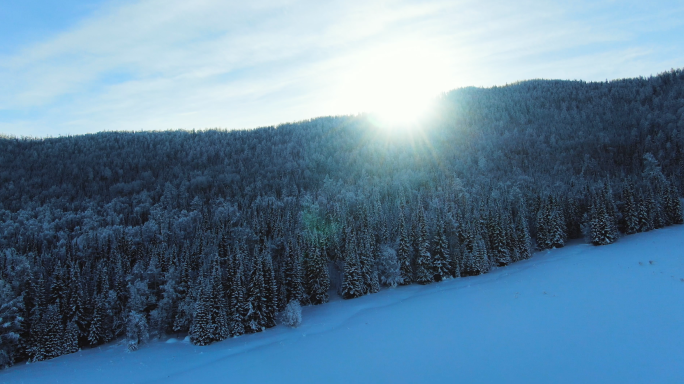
x: 214, y: 234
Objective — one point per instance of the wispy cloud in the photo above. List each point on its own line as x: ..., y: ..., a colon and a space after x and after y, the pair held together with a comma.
x: 176, y: 64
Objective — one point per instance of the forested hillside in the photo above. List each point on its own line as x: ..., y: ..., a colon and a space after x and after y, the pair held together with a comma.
x: 213, y: 233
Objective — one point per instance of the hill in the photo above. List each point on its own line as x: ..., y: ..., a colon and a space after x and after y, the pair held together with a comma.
x: 122, y: 235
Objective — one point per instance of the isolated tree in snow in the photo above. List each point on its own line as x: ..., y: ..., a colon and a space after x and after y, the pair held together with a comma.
x: 389, y: 267
x: 292, y: 314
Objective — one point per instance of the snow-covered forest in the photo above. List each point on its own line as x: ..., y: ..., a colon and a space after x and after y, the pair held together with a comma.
x: 213, y: 233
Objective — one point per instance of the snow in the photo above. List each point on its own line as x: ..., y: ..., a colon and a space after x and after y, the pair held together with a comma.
x: 610, y: 314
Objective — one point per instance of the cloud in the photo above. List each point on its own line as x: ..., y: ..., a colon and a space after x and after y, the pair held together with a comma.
x: 176, y: 64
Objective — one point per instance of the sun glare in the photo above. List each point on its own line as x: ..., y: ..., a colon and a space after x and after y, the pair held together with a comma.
x: 397, y: 83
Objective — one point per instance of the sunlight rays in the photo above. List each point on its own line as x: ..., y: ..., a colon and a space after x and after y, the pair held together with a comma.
x: 396, y: 83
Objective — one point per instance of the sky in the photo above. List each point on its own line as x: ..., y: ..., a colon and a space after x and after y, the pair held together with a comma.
x: 75, y: 67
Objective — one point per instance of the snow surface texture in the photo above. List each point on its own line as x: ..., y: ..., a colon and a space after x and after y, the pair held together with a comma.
x: 580, y: 314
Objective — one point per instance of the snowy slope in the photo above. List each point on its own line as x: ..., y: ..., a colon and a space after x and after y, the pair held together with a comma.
x: 581, y: 314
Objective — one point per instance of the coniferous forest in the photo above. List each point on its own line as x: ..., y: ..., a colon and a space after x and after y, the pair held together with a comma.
x: 132, y: 236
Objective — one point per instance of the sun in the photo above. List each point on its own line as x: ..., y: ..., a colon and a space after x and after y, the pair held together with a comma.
x: 396, y: 83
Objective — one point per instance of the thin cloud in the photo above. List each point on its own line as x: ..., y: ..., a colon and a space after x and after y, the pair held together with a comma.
x: 171, y: 64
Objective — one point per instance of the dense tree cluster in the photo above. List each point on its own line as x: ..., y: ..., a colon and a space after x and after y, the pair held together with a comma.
x: 214, y: 233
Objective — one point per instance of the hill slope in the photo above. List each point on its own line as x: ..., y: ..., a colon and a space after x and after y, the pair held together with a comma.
x: 576, y: 314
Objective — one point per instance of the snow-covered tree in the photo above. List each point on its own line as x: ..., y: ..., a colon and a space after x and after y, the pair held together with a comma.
x: 440, y: 259
x: 292, y: 314
x: 389, y: 267
x: 424, y: 267
x: 352, y: 284
x: 404, y: 252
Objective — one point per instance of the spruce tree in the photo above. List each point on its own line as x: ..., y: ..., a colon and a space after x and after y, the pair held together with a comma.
x: 480, y: 259
x: 270, y: 291
x: 544, y: 226
x: 522, y: 237
x: 238, y: 306
x: 201, y: 330
x: 404, y: 252
x: 71, y: 338
x: 497, y: 235
x: 53, y: 336
x: 603, y: 229
x: 424, y: 268
x: 218, y: 314
x: 673, y: 205
x: 317, y: 278
x: 352, y: 283
x: 440, y: 259
x: 256, y: 301
x: 645, y: 218
x: 11, y: 310
x: 366, y: 251
x: 557, y: 222
x: 292, y: 274
x: 630, y: 212
x: 95, y: 331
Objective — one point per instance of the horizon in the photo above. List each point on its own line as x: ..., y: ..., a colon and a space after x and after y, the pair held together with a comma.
x: 118, y: 65
x: 367, y: 114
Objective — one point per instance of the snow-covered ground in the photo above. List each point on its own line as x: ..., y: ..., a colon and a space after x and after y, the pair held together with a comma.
x: 581, y: 314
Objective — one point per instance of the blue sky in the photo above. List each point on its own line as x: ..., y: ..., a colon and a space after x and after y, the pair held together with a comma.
x: 75, y: 67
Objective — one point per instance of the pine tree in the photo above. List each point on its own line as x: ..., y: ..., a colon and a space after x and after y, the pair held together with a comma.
x: 95, y: 331
x: 404, y: 252
x: 317, y: 278
x: 270, y: 291
x: 654, y: 207
x: 218, y: 314
x: 440, y: 259
x: 35, y: 347
x: 201, y: 331
x: 424, y: 268
x: 53, y: 336
x: 256, y: 302
x: 544, y: 226
x: 352, y: 284
x: 603, y: 229
x: 572, y: 219
x: 497, y: 235
x: 11, y: 309
x: 645, y: 218
x: 238, y: 306
x: 183, y: 318
x: 480, y: 258
x: 74, y: 308
x: 673, y: 205
x: 523, y: 242
x: 292, y: 275
x: 71, y: 338
x: 557, y: 222
x: 630, y: 213
x: 367, y: 262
